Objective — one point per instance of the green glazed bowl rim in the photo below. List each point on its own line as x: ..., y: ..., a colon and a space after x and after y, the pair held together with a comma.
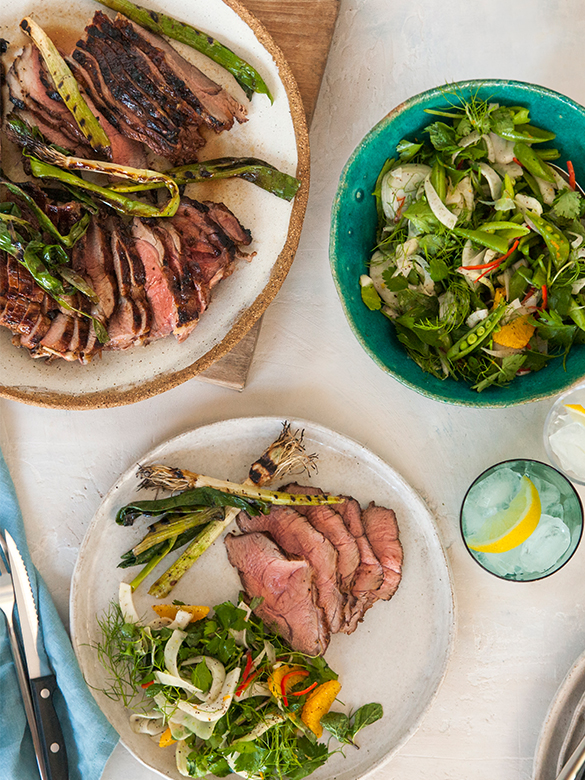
x: 523, y: 389
x: 548, y: 466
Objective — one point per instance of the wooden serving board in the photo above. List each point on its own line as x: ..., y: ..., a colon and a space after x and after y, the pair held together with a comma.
x: 303, y: 30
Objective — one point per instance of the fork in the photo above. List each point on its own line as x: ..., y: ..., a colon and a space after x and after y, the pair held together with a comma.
x: 7, y: 600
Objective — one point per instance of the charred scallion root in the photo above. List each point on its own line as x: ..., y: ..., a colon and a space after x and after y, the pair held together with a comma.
x: 286, y: 455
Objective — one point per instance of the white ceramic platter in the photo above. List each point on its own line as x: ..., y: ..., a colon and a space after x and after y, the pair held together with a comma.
x: 274, y: 132
x: 398, y: 655
x: 564, y: 725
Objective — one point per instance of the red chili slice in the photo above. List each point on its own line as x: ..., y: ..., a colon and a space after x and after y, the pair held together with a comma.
x: 297, y: 673
x: 245, y: 683
x: 302, y: 693
x: 571, y: 170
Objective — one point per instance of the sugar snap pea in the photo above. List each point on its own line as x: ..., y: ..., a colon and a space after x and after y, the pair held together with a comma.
x: 528, y: 158
x: 483, y: 238
x: 555, y: 241
x: 477, y: 335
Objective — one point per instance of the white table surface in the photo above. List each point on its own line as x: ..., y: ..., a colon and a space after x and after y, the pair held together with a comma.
x: 515, y: 642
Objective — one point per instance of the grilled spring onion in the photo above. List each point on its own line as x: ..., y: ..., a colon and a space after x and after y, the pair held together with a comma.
x: 46, y: 162
x: 286, y: 455
x: 34, y: 255
x: 258, y: 172
x: 68, y: 88
x: 247, y: 77
x: 76, y: 232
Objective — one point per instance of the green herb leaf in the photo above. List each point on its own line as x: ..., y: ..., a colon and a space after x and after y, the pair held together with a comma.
x: 201, y: 677
x: 366, y: 715
x: 569, y: 204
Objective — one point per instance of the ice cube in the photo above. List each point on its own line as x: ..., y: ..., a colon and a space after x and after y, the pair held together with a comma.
x: 545, y: 546
x: 487, y: 497
x: 502, y: 564
x: 550, y: 495
x: 568, y: 444
x: 497, y: 490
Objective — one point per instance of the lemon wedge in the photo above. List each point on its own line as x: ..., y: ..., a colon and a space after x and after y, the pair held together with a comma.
x: 512, y: 526
x: 577, y: 412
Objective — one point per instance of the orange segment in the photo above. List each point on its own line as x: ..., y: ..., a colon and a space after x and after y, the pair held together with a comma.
x: 516, y: 333
x: 166, y: 738
x: 318, y: 704
x: 170, y: 611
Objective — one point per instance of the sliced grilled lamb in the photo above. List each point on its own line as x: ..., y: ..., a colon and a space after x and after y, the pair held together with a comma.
x: 382, y: 531
x: 130, y: 323
x: 28, y: 92
x: 36, y: 101
x: 297, y: 537
x: 148, y: 91
x: 209, y: 248
x: 326, y: 520
x: 92, y: 257
x: 214, y: 104
x: 173, y: 298
x: 287, y: 588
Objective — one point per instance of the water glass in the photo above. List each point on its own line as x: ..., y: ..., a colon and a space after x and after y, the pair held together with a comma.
x: 548, y: 527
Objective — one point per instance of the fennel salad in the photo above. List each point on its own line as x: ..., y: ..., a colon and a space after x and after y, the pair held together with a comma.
x: 221, y: 690
x: 479, y: 260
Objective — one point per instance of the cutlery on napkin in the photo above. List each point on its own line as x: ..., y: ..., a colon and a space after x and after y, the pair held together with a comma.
x: 89, y: 738
x: 39, y: 684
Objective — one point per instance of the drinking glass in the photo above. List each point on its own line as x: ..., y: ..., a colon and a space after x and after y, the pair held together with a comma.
x: 564, y: 434
x: 549, y: 527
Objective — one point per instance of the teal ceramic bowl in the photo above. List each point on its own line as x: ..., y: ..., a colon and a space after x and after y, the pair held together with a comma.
x: 353, y: 234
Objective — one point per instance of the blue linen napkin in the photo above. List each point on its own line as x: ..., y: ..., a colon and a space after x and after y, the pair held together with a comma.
x: 89, y: 738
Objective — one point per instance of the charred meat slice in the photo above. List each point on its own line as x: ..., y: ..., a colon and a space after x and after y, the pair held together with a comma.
x: 289, y: 603
x: 326, y: 520
x: 212, y: 103
x: 209, y: 250
x: 153, y: 278
x: 92, y: 257
x: 35, y: 99
x: 22, y: 302
x: 175, y: 301
x: 297, y: 537
x: 132, y: 317
x: 148, y: 91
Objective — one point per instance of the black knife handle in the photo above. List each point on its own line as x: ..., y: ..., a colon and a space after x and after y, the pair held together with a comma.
x: 43, y: 690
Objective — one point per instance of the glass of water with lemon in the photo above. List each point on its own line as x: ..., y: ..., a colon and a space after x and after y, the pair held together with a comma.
x: 521, y: 520
x: 564, y: 433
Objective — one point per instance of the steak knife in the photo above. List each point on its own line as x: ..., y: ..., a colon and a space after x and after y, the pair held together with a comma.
x: 42, y: 680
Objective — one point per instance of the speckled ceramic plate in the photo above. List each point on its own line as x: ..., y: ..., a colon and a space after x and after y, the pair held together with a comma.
x: 398, y: 655
x: 276, y: 133
x: 353, y: 234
